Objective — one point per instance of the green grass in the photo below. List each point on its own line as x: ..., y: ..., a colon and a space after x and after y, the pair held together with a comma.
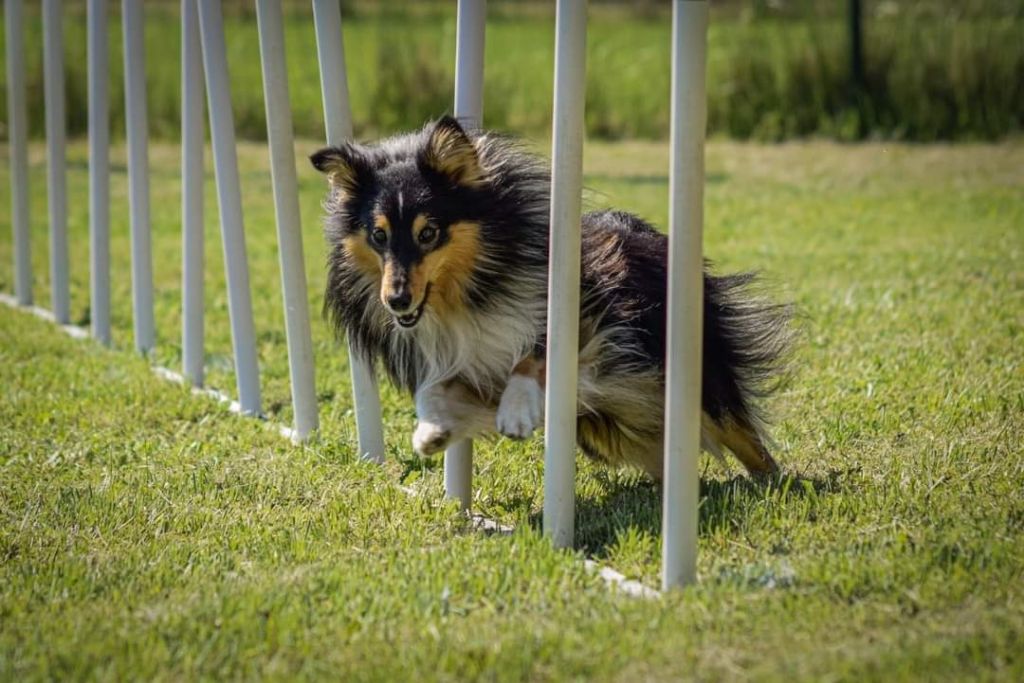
x: 147, y: 534
x: 934, y: 69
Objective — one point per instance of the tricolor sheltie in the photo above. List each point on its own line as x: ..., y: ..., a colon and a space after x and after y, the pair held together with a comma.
x: 438, y: 270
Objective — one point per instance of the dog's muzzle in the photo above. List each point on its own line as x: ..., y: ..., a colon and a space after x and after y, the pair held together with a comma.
x: 409, y: 320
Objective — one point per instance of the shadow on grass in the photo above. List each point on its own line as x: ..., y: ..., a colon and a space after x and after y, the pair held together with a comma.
x: 626, y: 507
x: 415, y: 464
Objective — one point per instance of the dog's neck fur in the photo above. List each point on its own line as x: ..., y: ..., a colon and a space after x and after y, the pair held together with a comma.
x: 478, y: 347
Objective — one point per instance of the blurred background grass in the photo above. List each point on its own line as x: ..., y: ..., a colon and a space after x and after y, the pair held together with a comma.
x: 778, y: 69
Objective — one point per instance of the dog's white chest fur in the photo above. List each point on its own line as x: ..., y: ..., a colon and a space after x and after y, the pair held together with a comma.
x: 480, y: 349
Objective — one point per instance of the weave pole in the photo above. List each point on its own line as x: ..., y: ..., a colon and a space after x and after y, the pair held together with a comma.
x: 138, y: 173
x: 564, y: 272
x: 225, y: 161
x: 17, y: 133
x: 685, y: 294
x: 289, y: 226
x: 469, y: 62
x: 99, y: 172
x: 56, y: 135
x: 469, y: 104
x: 192, y: 249
x: 338, y: 122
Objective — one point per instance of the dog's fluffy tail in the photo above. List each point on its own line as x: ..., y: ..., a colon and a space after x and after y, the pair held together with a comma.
x: 747, y: 339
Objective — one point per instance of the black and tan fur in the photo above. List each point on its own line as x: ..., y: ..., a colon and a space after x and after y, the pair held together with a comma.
x: 438, y: 271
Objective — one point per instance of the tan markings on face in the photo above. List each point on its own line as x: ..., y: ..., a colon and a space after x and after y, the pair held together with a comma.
x: 391, y: 284
x: 386, y: 265
x: 381, y: 221
x: 418, y: 280
x: 421, y: 221
x: 421, y: 273
x: 449, y: 268
x: 362, y: 255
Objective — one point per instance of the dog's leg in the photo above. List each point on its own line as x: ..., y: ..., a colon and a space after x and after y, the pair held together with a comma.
x: 744, y: 442
x: 521, y: 409
x: 447, y: 412
x: 433, y: 426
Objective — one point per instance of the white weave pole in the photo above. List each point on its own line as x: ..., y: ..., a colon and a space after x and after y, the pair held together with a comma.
x: 225, y: 161
x: 469, y: 104
x: 685, y: 294
x: 289, y: 226
x: 192, y: 226
x: 138, y: 173
x: 469, y: 62
x: 99, y: 172
x: 564, y: 272
x: 338, y: 122
x: 56, y: 134
x: 17, y: 133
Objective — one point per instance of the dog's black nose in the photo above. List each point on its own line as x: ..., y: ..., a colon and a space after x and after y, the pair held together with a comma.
x: 400, y: 302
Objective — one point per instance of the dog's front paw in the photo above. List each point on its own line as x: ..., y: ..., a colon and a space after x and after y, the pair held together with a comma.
x: 521, y: 409
x: 430, y: 438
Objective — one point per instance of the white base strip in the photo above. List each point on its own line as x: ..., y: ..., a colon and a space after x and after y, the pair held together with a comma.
x: 70, y: 330
x: 233, y: 405
x: 628, y: 586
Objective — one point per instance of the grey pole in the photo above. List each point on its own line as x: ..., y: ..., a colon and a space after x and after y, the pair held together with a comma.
x: 225, y: 161
x: 289, y: 226
x: 99, y: 172
x: 338, y: 121
x: 192, y: 270
x: 564, y: 272
x: 469, y: 103
x: 469, y: 62
x: 685, y: 294
x: 17, y: 132
x: 138, y: 173
x: 53, y: 90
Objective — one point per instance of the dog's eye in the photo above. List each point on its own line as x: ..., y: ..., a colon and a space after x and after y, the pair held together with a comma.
x: 427, y: 234
x: 379, y: 237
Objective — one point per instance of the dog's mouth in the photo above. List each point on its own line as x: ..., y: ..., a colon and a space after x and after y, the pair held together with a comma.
x: 409, y: 320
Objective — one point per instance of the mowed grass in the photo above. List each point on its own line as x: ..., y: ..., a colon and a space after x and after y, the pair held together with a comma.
x: 148, y: 534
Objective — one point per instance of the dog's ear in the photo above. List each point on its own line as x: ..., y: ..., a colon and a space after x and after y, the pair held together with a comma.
x: 346, y: 168
x: 451, y: 154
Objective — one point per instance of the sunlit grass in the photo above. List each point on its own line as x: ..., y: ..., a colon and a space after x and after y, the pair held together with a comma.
x: 147, y: 534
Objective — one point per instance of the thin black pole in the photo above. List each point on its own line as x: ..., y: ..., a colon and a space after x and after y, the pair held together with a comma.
x: 856, y: 45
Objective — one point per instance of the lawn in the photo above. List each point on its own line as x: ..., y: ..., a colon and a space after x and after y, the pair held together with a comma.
x: 148, y: 534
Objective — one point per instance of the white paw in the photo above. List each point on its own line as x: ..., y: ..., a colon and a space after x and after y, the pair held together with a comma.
x: 430, y: 438
x: 521, y: 409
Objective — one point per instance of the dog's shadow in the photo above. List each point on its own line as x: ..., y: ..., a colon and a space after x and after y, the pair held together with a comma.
x: 624, y: 507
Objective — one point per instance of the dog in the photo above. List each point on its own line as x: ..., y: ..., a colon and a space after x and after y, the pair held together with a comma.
x: 437, y: 269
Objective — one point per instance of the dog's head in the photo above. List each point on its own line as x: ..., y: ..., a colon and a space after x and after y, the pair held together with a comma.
x: 406, y: 216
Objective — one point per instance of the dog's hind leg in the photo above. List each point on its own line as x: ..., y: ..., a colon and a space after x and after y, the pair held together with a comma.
x: 744, y: 442
x: 447, y: 412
